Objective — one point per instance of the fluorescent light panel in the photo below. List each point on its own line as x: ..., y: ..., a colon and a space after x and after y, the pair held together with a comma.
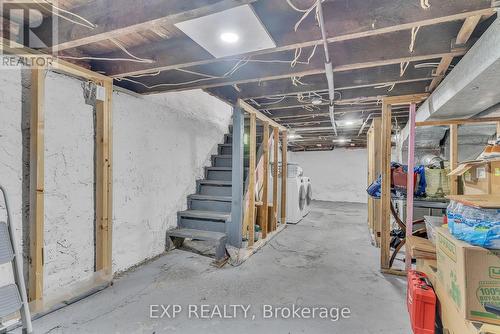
x: 216, y: 32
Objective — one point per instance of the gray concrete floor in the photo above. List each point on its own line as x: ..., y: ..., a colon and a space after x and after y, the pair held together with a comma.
x: 326, y: 260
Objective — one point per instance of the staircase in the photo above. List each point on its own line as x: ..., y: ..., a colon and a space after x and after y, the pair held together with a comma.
x: 209, y: 209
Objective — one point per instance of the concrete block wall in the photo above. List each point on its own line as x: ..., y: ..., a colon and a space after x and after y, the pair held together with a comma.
x: 161, y: 144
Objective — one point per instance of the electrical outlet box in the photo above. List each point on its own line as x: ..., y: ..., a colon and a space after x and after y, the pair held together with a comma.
x: 100, y: 93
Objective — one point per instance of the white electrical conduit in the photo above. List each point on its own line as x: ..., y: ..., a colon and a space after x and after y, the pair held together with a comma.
x: 328, y: 66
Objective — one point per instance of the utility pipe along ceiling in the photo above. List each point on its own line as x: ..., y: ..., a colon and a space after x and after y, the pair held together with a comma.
x: 272, y: 53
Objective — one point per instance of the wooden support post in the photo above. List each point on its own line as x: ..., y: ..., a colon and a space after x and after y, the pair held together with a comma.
x: 276, y: 139
x: 453, y: 158
x: 498, y: 130
x: 385, y: 215
x: 284, y: 174
x: 234, y: 229
x: 410, y: 188
x: 103, y: 252
x: 251, y: 179
x: 373, y: 173
x: 37, y: 184
x: 265, y: 179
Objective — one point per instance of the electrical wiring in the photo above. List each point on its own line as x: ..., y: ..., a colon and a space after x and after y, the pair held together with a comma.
x: 235, y: 68
x: 86, y: 23
x: 133, y: 59
x: 387, y: 85
x: 403, y: 66
x: 295, y: 7
x: 425, y: 4
x: 414, y: 32
x: 122, y: 47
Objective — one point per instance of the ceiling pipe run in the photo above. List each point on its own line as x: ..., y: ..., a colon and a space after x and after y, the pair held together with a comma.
x: 328, y: 67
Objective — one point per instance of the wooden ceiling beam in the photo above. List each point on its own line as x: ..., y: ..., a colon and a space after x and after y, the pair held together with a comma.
x: 345, y: 20
x: 117, y: 18
x: 463, y: 37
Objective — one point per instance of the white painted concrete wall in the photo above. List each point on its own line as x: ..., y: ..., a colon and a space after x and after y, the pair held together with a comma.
x: 11, y: 150
x: 161, y: 144
x: 69, y: 184
x: 338, y: 175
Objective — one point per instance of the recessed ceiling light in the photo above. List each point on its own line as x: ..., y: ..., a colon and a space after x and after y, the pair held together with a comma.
x: 293, y: 136
x: 229, y: 37
x: 342, y: 140
x: 349, y: 122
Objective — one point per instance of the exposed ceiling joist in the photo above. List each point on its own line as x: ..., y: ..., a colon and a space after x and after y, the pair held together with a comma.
x: 117, y: 18
x: 433, y: 42
x: 463, y: 37
x: 366, y: 93
x: 346, y: 20
x: 366, y: 77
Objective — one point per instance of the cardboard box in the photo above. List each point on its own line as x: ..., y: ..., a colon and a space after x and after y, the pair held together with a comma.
x: 479, y: 177
x: 453, y: 322
x: 470, y: 277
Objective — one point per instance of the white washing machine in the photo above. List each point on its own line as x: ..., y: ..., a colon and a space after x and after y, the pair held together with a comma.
x: 295, y: 194
x: 308, y: 195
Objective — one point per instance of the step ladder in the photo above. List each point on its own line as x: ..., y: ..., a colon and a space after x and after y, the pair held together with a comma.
x: 13, y: 297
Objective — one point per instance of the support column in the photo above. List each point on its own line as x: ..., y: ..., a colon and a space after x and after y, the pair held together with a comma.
x: 284, y: 174
x: 410, y: 187
x: 234, y: 228
x: 37, y: 184
x: 385, y: 200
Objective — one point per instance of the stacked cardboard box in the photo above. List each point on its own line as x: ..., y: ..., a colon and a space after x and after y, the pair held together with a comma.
x: 479, y: 177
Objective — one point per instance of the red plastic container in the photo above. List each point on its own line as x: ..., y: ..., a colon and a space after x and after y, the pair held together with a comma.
x: 421, y: 301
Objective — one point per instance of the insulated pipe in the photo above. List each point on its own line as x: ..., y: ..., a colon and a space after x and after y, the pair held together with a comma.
x: 328, y: 66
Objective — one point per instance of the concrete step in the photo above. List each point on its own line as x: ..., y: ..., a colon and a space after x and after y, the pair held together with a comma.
x: 214, y: 187
x: 219, y: 239
x: 209, y: 203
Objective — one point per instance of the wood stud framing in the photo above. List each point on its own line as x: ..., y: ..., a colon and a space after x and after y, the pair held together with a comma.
x: 251, y: 180
x: 373, y: 172
x: 284, y: 174
x: 276, y: 139
x: 37, y: 184
x: 103, y: 252
x: 385, y: 216
x: 386, y: 148
x: 265, y: 182
x: 453, y: 158
x: 103, y: 163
